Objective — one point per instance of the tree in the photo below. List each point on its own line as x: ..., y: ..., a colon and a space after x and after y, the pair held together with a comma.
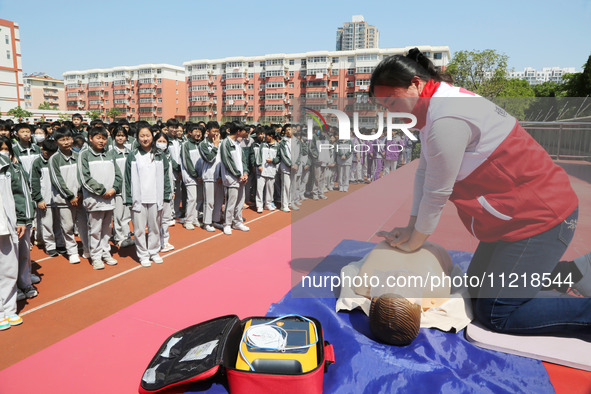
x: 45, y: 105
x: 63, y: 117
x: 114, y: 113
x: 94, y: 114
x: 482, y: 72
x: 550, y: 89
x: 18, y: 112
x: 515, y: 97
x: 579, y: 84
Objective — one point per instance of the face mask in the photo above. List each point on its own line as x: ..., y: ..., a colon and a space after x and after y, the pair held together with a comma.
x: 4, y: 153
x: 75, y: 149
x: 39, y: 138
x: 162, y: 146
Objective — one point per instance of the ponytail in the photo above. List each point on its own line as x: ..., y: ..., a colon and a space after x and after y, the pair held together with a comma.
x: 398, y: 71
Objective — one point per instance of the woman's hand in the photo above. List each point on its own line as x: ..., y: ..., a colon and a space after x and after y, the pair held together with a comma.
x: 416, y: 240
x: 397, y: 236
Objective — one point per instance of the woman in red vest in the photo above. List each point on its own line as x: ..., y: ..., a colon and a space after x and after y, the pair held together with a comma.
x: 509, y: 194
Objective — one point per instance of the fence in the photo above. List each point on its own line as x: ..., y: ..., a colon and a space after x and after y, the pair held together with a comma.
x: 562, y: 140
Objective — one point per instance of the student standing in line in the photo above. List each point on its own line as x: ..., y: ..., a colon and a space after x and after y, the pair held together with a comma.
x: 47, y: 214
x: 121, y: 213
x: 289, y: 155
x: 234, y: 174
x: 191, y: 167
x: 175, y: 152
x: 162, y: 143
x: 25, y: 211
x: 344, y: 155
x: 266, y: 161
x: 100, y: 179
x: 213, y: 190
x: 10, y: 232
x: 146, y: 175
x: 67, y: 195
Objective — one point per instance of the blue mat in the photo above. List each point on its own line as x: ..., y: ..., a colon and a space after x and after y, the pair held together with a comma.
x: 434, y: 362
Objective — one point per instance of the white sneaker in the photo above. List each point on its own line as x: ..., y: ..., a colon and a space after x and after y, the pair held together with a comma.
x: 74, y: 259
x: 285, y: 210
x: 227, y: 230
x: 294, y: 207
x: 241, y: 227
x: 157, y: 259
x: 167, y: 248
x: 98, y: 265
x: 146, y: 263
x: 20, y: 295
x: 270, y: 208
x: 171, y: 223
x: 196, y: 223
x: 259, y: 210
x: 110, y: 260
x: 189, y: 226
x: 209, y: 227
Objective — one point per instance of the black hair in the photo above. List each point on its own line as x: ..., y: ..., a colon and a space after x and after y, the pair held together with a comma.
x: 3, y: 125
x: 398, y: 71
x: 61, y: 133
x: 223, y: 131
x: 23, y: 126
x: 77, y: 116
x: 236, y: 126
x: 270, y: 131
x: 154, y: 129
x: 96, y: 122
x: 172, y: 122
x: 212, y: 124
x: 49, y: 145
x: 285, y: 126
x: 5, y: 140
x: 116, y: 131
x: 124, y: 122
x: 161, y: 134
x: 98, y: 130
x: 198, y: 127
x: 79, y: 140
x: 58, y: 124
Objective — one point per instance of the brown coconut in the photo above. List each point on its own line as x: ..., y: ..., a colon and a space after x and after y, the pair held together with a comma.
x: 394, y: 320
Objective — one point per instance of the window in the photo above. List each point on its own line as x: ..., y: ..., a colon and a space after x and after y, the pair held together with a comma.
x: 275, y: 85
x: 316, y: 83
x: 273, y: 73
x: 334, y: 84
x: 291, y: 95
x: 273, y: 62
x: 291, y: 85
x: 350, y: 84
x: 250, y: 64
x: 291, y: 62
x: 335, y: 59
x: 6, y: 37
x: 365, y: 70
x: 317, y: 59
x: 351, y: 71
x: 334, y: 71
x: 119, y: 82
x: 92, y: 84
x: 437, y: 55
x: 250, y: 86
x: 362, y: 82
x: 144, y: 100
x: 146, y: 80
x: 146, y: 90
x: 53, y: 84
x: 350, y: 58
x: 372, y: 56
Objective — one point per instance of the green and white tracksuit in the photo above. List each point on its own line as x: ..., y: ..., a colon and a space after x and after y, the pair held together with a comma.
x: 97, y: 173
x: 266, y: 177
x: 234, y: 165
x: 213, y: 190
x: 121, y: 213
x: 48, y: 225
x: 191, y: 168
x: 344, y: 155
x: 8, y: 242
x: 26, y: 156
x: 63, y: 171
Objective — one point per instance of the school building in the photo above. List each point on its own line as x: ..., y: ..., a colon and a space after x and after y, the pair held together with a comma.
x: 11, y: 68
x: 261, y: 88
x: 147, y: 92
x: 41, y: 89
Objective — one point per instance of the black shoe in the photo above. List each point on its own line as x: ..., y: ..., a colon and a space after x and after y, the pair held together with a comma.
x: 62, y: 250
x: 52, y: 253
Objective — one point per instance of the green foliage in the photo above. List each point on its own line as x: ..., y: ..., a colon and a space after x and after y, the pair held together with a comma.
x: 45, y: 105
x: 114, y: 113
x: 18, y: 112
x: 515, y: 97
x: 93, y: 114
x: 482, y: 72
x: 550, y: 89
x: 63, y: 117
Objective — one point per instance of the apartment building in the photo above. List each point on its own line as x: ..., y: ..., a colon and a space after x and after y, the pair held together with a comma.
x: 357, y: 34
x: 265, y: 88
x: 41, y: 88
x: 535, y: 77
x: 147, y: 92
x: 11, y: 69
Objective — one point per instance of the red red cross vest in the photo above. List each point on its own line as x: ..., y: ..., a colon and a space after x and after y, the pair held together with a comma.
x: 508, y: 188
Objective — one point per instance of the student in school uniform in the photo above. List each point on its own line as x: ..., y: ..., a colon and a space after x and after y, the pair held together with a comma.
x: 319, y: 153
x: 331, y: 166
x: 25, y: 211
x: 67, y: 194
x: 305, y: 168
x: 344, y: 158
x: 24, y: 150
x: 162, y: 143
x: 121, y: 213
x: 266, y: 161
x: 174, y: 148
x: 10, y: 232
x: 47, y: 214
x: 289, y: 154
x: 391, y: 153
x: 191, y: 167
x: 148, y: 188
x: 234, y: 173
x: 39, y: 134
x: 213, y: 189
x: 254, y: 151
x: 100, y: 179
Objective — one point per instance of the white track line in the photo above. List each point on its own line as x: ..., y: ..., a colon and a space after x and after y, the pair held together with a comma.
x: 128, y: 271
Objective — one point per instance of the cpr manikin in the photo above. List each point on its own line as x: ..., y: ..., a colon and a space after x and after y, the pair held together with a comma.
x: 404, y: 295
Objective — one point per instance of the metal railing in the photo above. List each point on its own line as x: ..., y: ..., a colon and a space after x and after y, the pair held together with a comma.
x: 562, y: 140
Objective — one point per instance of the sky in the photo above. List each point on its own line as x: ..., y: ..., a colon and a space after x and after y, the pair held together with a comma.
x: 60, y: 35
